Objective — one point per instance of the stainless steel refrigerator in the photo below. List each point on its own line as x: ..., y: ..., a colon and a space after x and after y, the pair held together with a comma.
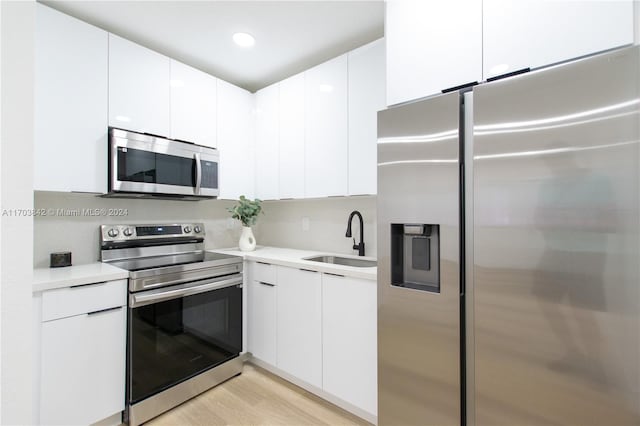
x: 509, y: 250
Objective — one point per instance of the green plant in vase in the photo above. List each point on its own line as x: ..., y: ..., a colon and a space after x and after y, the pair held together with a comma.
x: 246, y: 211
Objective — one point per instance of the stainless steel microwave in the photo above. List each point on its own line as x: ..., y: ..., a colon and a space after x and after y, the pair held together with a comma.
x: 142, y: 165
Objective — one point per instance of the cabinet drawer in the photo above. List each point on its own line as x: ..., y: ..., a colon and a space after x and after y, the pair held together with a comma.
x: 70, y: 301
x: 264, y: 272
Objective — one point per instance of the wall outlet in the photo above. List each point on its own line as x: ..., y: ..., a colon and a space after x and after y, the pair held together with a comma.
x: 305, y: 223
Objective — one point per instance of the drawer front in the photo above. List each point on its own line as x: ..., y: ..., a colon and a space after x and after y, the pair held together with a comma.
x: 70, y: 301
x: 264, y: 272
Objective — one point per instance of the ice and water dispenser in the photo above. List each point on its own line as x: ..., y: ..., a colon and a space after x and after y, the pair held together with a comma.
x: 415, y: 256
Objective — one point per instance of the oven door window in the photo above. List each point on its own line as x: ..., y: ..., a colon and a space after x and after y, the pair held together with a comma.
x: 174, y: 340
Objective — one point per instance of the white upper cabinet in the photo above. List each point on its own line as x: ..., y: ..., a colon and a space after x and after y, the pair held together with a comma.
x: 431, y: 46
x: 521, y: 34
x: 70, y: 104
x: 193, y: 105
x: 236, y: 123
x: 366, y: 98
x: 138, y: 88
x: 292, y: 137
x: 437, y: 45
x: 267, y: 146
x: 326, y: 152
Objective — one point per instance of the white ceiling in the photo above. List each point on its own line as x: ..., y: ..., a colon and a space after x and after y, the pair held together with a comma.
x: 291, y: 36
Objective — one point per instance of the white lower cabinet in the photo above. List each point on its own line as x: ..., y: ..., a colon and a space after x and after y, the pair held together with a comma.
x: 82, y: 375
x: 299, y: 324
x: 318, y: 328
x: 349, y: 340
x: 83, y: 368
x: 262, y: 321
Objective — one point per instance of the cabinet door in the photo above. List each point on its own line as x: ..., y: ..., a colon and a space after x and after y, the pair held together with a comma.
x: 138, y: 88
x: 349, y: 342
x: 262, y: 321
x: 366, y: 97
x: 236, y: 124
x: 299, y: 337
x: 431, y: 46
x: 70, y: 104
x: 292, y: 137
x: 326, y: 129
x: 531, y: 33
x: 267, y: 146
x: 193, y: 105
x: 83, y: 368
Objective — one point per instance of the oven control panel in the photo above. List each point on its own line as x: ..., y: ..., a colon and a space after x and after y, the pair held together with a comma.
x: 118, y: 233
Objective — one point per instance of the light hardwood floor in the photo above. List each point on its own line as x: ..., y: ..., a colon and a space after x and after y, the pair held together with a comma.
x: 256, y: 397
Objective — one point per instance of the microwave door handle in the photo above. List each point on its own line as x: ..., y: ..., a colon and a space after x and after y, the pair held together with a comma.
x: 198, y: 173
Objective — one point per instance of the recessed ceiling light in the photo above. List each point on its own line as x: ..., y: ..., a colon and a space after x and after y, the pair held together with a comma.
x: 498, y: 69
x: 244, y: 39
x: 326, y: 88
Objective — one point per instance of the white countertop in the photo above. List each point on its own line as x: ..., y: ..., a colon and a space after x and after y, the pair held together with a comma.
x: 52, y: 278
x: 295, y: 259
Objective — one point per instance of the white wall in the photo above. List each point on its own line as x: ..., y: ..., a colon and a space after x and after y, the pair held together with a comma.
x: 79, y: 234
x: 16, y: 232
x: 281, y: 225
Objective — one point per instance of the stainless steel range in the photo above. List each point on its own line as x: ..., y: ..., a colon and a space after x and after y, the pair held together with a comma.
x: 184, y: 322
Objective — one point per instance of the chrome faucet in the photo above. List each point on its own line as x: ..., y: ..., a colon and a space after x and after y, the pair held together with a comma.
x: 360, y: 246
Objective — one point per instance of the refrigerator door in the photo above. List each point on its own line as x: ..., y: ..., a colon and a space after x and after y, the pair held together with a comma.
x: 418, y: 263
x: 556, y: 245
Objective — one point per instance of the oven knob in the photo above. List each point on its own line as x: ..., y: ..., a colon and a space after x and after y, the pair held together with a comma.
x: 113, y: 232
x: 127, y: 232
x: 196, y: 229
x: 187, y: 229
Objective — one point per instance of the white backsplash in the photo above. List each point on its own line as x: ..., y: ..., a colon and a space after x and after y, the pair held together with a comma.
x: 280, y: 226
x: 79, y: 234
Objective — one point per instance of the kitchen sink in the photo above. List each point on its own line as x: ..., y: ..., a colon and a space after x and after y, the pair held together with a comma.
x: 347, y: 261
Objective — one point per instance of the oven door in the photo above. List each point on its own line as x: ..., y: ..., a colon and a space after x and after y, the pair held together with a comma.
x: 180, y: 331
x: 148, y: 164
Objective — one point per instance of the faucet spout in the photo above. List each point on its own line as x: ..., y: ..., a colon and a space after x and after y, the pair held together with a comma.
x: 360, y: 245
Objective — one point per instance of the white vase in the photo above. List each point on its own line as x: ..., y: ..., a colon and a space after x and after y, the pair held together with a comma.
x: 247, y: 240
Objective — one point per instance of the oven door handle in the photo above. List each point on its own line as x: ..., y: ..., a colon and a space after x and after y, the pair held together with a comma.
x: 137, y: 300
x: 198, y: 173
